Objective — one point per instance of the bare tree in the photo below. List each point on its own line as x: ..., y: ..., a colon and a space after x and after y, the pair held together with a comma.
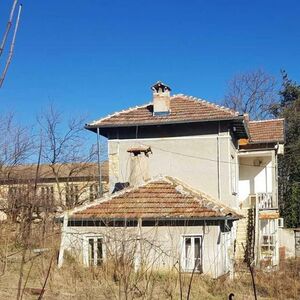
x: 16, y: 146
x: 65, y: 150
x: 254, y: 93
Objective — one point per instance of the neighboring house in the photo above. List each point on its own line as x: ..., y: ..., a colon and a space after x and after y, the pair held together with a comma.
x: 59, y: 185
x: 184, y: 164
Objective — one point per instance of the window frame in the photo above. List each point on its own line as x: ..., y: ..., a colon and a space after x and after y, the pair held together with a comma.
x: 86, y: 254
x: 183, y: 253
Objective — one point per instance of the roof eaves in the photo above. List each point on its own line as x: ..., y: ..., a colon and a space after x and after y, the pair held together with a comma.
x: 226, y: 217
x: 90, y: 127
x: 266, y: 142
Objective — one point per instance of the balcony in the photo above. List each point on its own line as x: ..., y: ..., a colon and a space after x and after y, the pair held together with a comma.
x: 264, y: 201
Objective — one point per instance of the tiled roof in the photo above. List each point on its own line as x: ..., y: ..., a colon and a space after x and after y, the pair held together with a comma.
x: 63, y: 170
x: 266, y: 131
x: 158, y: 199
x: 183, y: 108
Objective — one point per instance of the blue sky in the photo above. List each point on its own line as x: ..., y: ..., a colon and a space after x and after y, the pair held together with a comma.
x: 97, y: 57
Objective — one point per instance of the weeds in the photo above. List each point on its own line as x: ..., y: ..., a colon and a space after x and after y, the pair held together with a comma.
x: 74, y: 281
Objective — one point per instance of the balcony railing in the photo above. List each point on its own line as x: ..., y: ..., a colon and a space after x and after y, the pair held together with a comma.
x: 265, y: 201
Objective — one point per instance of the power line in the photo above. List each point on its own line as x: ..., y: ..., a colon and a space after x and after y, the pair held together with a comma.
x: 210, y: 159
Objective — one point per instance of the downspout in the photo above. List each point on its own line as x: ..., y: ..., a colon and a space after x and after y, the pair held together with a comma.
x: 99, y: 164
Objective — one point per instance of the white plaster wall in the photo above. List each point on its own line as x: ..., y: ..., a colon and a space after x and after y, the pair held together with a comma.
x: 193, y: 160
x: 287, y: 240
x: 162, y: 244
x: 254, y: 179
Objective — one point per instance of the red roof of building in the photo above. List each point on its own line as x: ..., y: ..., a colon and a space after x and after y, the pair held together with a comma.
x: 182, y: 109
x: 190, y: 109
x: 64, y: 171
x: 266, y: 131
x: 163, y: 198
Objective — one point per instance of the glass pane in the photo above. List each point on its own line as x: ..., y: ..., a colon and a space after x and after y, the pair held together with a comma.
x: 91, y: 252
x: 99, y: 252
x: 188, y: 254
x: 197, y: 247
x: 197, y: 253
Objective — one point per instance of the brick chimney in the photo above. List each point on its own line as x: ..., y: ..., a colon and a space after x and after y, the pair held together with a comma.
x: 161, y: 99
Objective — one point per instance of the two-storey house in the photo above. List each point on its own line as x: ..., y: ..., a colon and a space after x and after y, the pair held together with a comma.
x: 176, y: 166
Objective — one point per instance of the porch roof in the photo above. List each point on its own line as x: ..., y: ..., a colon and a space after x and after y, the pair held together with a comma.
x: 162, y: 198
x: 266, y: 131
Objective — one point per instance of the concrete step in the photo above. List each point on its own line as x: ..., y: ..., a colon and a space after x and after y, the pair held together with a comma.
x: 241, y: 237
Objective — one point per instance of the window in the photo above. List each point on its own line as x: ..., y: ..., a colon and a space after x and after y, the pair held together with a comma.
x: 95, y: 251
x: 192, y: 253
x: 47, y: 193
x: 16, y: 195
x: 18, y: 192
x: 233, y: 175
x: 72, y: 194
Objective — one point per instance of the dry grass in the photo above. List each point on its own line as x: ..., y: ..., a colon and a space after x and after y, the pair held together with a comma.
x: 74, y: 281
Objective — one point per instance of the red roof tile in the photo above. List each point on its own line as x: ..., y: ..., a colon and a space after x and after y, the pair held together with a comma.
x: 266, y: 131
x: 183, y: 108
x: 162, y: 198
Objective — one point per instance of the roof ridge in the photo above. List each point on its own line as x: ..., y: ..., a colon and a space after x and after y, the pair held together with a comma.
x: 215, y: 105
x: 118, y: 113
